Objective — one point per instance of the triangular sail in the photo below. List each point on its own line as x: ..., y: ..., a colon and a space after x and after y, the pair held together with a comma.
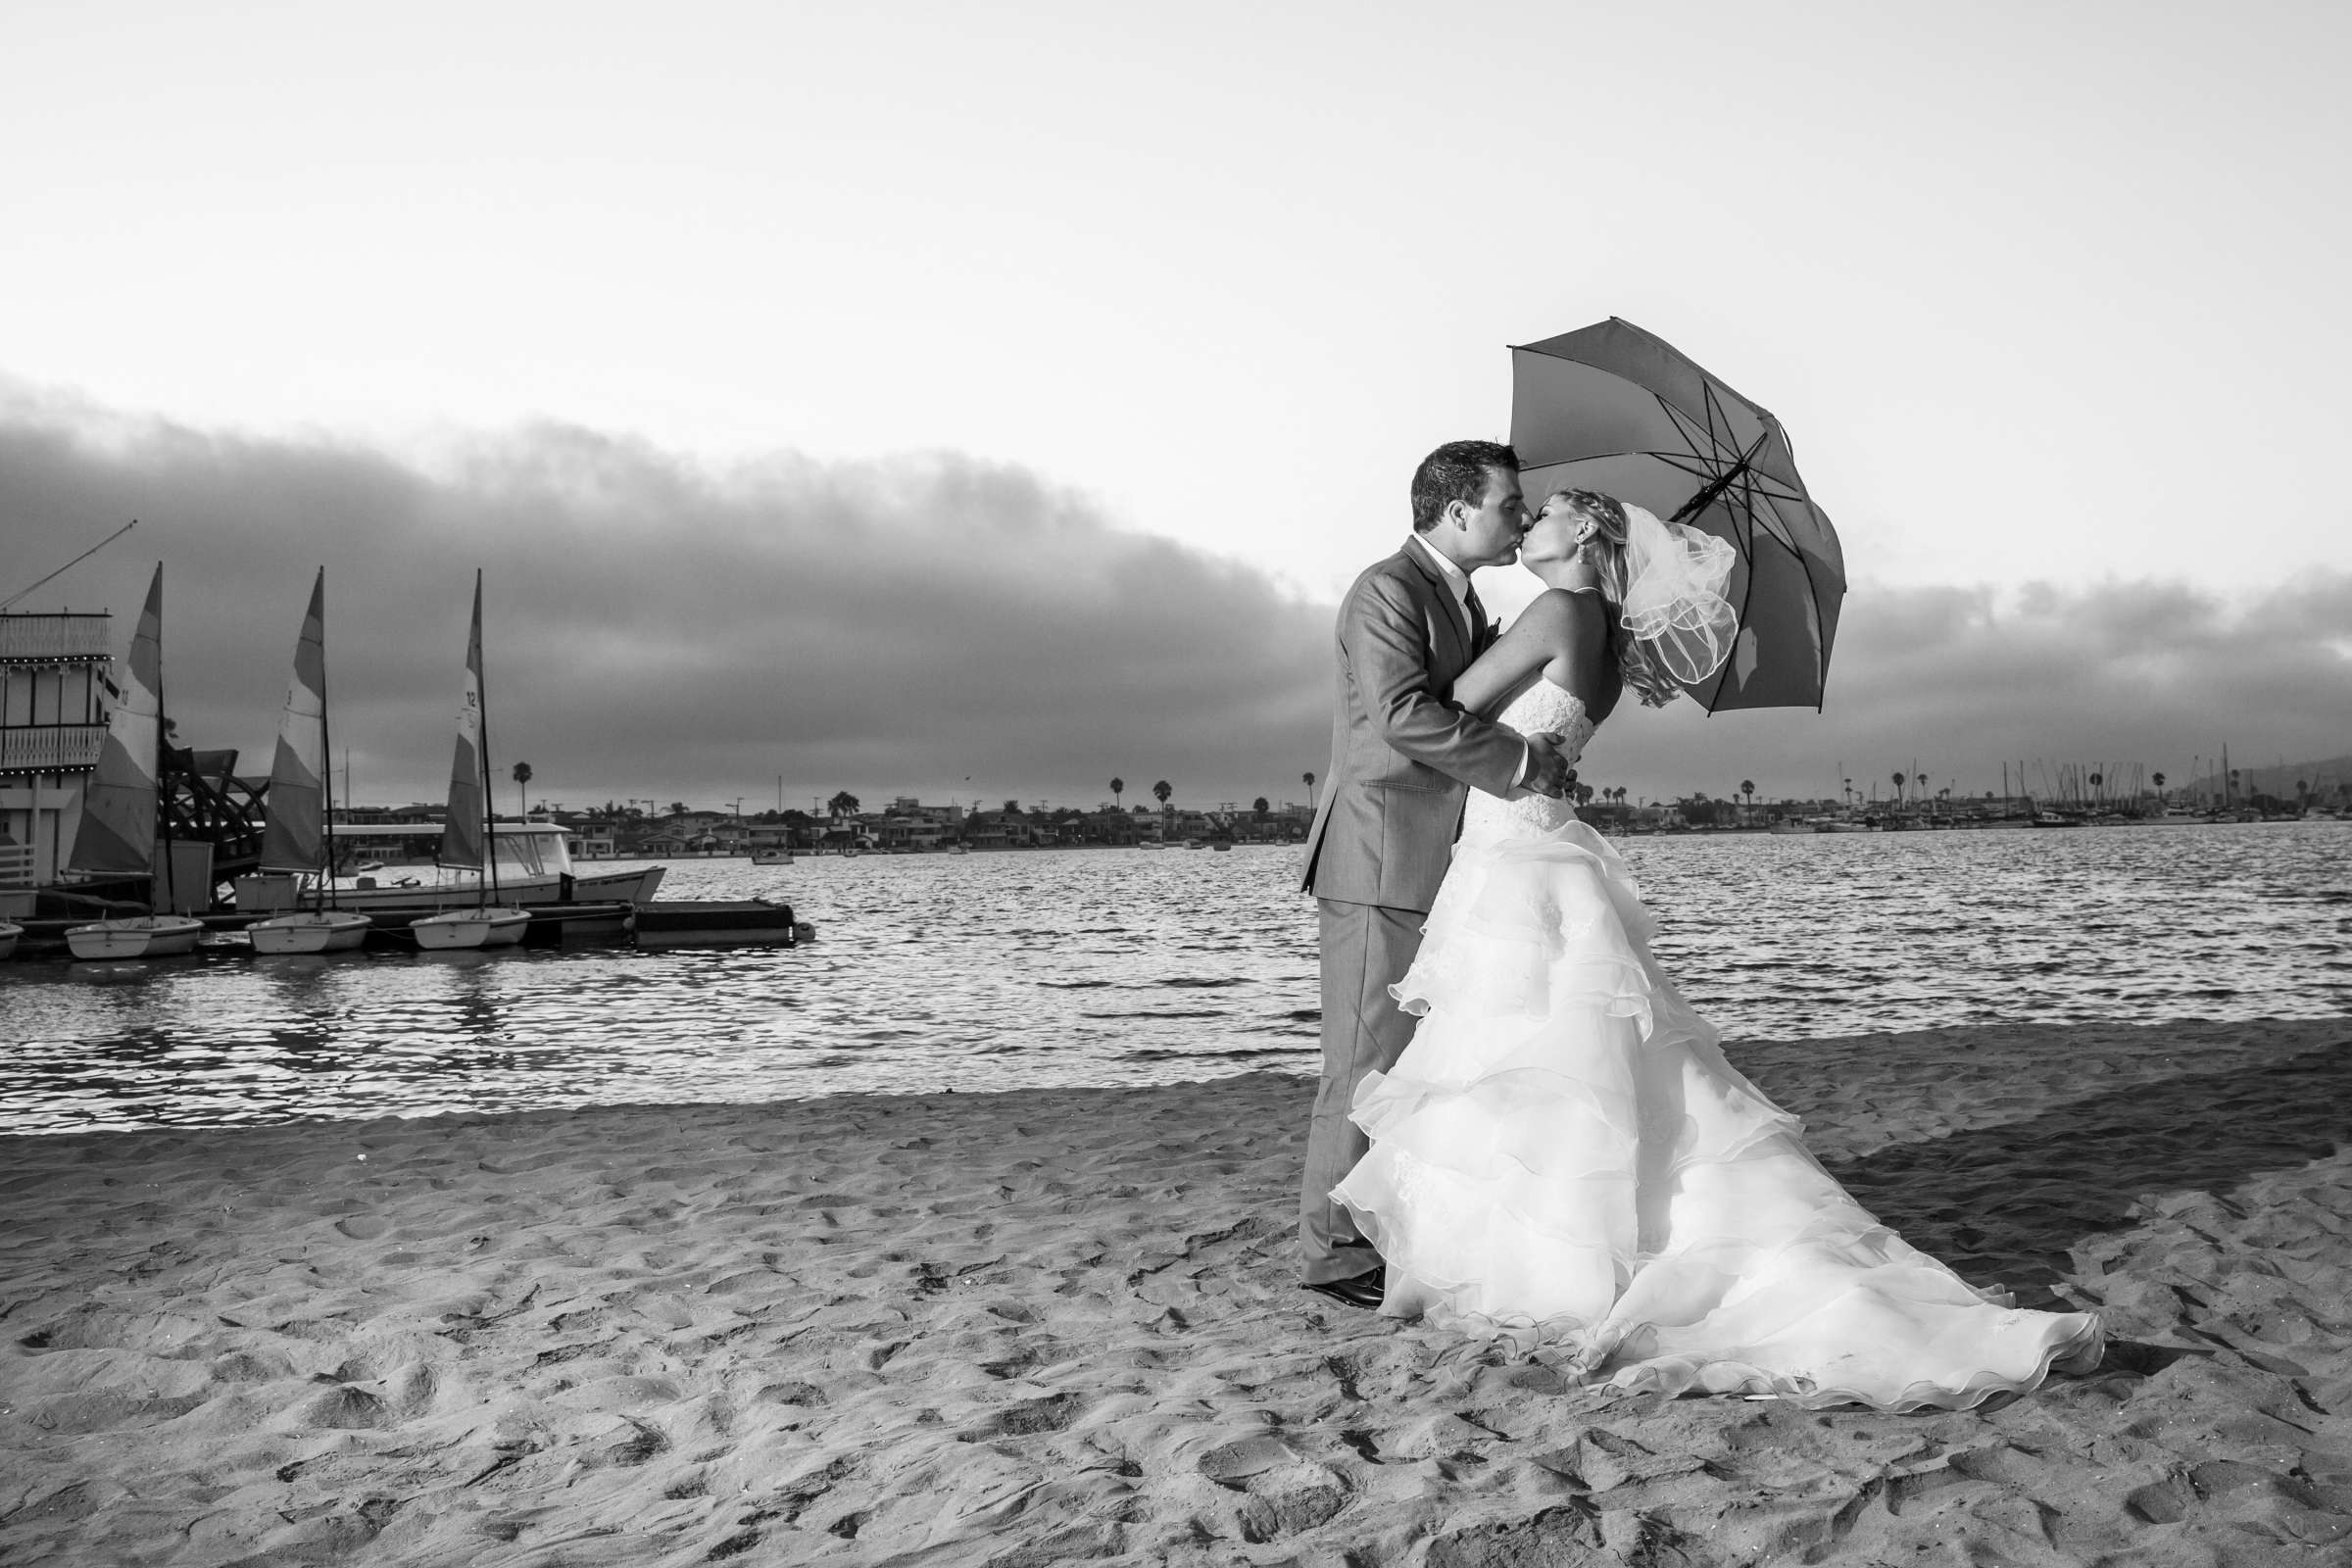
x: 290, y: 839
x: 461, y: 833
x: 118, y: 805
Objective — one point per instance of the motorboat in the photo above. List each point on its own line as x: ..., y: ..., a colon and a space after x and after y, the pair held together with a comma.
x: 138, y: 935
x: 8, y: 938
x: 769, y: 858
x: 487, y: 926
x: 534, y: 866
x: 310, y: 931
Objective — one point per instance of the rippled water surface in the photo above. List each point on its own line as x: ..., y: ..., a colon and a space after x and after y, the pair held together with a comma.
x: 1104, y: 966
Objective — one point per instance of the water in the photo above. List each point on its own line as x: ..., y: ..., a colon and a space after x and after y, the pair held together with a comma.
x: 1108, y: 966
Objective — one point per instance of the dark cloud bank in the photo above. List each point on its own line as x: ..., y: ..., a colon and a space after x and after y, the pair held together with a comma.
x: 657, y: 628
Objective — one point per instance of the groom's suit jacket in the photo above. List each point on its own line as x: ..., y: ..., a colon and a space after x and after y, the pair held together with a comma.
x: 1403, y: 756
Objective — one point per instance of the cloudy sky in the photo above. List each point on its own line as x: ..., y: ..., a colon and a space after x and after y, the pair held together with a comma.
x: 896, y: 397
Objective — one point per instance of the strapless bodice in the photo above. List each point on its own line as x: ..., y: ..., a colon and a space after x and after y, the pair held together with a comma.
x: 1542, y: 709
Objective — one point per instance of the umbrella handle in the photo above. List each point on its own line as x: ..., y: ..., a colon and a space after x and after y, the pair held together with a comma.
x: 1716, y: 486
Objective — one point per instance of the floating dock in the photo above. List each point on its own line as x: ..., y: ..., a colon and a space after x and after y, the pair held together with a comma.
x: 715, y: 923
x: 658, y: 923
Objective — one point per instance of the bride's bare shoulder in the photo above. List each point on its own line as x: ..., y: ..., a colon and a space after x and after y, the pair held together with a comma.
x: 1565, y: 619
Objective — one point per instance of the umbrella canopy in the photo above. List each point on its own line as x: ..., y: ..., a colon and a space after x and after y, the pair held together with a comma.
x: 1612, y: 408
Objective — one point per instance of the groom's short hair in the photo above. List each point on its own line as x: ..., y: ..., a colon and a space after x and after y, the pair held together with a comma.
x: 1457, y: 472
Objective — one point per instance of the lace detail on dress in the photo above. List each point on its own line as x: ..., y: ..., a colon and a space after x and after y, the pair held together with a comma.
x: 1541, y: 709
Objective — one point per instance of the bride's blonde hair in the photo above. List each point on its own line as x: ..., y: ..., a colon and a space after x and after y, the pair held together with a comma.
x: 1644, y: 671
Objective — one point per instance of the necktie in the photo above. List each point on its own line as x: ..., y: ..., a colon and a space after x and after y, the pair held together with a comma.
x: 1478, y: 621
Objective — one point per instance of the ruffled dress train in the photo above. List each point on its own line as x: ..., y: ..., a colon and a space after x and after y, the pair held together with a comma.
x: 1562, y: 1158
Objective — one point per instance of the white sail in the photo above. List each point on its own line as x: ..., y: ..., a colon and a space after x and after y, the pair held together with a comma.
x: 291, y: 836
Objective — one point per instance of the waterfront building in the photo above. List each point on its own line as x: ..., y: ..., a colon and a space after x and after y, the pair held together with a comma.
x: 907, y: 831
x: 588, y: 837
x: 56, y: 692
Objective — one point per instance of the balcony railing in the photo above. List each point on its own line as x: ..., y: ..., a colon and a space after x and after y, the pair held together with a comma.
x: 64, y: 638
x: 50, y: 748
x: 16, y: 866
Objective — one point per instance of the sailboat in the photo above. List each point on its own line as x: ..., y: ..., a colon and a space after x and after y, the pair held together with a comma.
x: 299, y: 835
x: 119, y: 806
x: 466, y: 836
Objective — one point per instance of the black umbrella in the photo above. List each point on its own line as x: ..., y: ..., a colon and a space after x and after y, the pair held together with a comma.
x: 1613, y: 409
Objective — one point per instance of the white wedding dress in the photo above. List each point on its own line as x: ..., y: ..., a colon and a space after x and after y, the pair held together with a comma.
x: 1562, y: 1156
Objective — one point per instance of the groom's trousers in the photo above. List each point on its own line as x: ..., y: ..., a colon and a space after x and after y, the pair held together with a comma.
x: 1366, y: 949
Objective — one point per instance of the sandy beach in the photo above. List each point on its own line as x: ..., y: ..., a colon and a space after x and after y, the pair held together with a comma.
x: 1060, y: 1325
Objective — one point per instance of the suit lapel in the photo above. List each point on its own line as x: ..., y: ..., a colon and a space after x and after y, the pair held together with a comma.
x: 1464, y: 635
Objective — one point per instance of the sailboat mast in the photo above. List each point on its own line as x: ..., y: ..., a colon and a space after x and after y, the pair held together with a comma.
x: 489, y: 883
x: 163, y: 775
x: 327, y: 765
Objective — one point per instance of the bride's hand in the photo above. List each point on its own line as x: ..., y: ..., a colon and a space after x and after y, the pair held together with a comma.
x: 1548, y: 771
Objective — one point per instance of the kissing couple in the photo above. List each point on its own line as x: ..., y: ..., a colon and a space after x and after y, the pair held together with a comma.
x: 1523, y: 1132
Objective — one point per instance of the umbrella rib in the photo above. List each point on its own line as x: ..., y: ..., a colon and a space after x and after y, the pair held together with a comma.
x: 1746, y: 597
x: 1687, y: 428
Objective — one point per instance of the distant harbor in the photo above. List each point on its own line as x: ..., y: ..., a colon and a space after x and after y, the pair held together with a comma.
x: 61, y: 691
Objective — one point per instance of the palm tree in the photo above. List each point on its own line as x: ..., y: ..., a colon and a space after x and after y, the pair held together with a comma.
x: 2096, y: 780
x: 843, y: 804
x: 1748, y: 787
x: 1260, y: 808
x: 2159, y: 778
x: 1118, y: 787
x: 678, y: 807
x: 1898, y: 788
x: 1162, y: 791
x: 1308, y: 779
x: 523, y: 781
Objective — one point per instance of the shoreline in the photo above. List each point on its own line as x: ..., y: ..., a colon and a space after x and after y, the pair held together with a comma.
x: 1057, y: 1324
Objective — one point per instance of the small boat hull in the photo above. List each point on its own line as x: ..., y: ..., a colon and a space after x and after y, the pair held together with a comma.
x: 8, y: 938
x: 310, y: 931
x: 143, y: 936
x: 772, y: 856
x: 456, y: 929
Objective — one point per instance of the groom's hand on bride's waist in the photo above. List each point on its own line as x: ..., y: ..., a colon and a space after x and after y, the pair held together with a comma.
x: 1548, y: 771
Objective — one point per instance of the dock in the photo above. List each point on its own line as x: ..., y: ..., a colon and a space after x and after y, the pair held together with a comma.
x: 658, y: 923
x: 715, y: 923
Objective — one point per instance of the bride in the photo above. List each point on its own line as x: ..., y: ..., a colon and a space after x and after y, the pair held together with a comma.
x: 1562, y: 1156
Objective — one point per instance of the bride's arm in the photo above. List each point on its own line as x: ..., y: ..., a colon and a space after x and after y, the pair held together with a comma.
x: 1564, y: 636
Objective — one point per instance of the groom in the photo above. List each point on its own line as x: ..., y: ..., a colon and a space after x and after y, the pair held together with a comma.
x: 1403, y: 760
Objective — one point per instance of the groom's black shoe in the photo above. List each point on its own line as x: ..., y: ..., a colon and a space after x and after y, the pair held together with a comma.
x: 1363, y: 1290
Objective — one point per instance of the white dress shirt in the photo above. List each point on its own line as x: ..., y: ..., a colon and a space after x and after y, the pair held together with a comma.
x: 1457, y: 582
